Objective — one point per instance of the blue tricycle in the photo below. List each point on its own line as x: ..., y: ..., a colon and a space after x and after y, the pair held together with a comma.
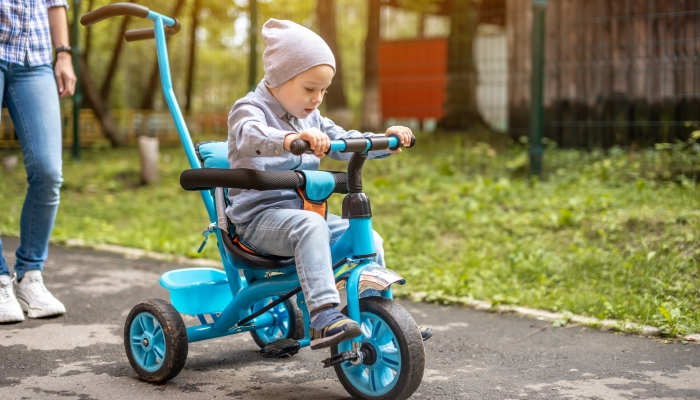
x: 261, y: 294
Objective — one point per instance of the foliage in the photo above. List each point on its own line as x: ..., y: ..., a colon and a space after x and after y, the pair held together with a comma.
x: 221, y: 73
x: 685, y: 157
x: 605, y: 234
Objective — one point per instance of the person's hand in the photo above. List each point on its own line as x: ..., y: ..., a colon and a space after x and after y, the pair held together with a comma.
x: 404, y: 134
x: 65, y: 76
x: 319, y: 141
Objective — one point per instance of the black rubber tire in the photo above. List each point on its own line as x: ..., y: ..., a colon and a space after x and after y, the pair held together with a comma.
x: 410, y: 345
x: 175, y: 336
x: 296, y: 323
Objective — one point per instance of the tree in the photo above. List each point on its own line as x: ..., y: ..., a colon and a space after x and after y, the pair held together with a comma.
x: 336, y: 103
x: 253, y: 45
x: 115, y: 136
x: 99, y: 99
x: 193, y: 54
x: 154, y: 80
x: 371, y: 107
x: 461, y: 111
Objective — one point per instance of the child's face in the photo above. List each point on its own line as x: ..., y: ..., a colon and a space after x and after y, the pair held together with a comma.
x: 301, y: 95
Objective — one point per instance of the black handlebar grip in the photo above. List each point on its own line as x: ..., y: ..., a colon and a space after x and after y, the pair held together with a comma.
x: 299, y: 147
x: 114, y: 10
x: 413, y: 141
x: 150, y: 33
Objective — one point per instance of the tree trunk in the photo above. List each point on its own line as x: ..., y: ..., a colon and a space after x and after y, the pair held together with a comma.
x: 109, y: 127
x: 336, y: 103
x: 85, y: 51
x: 193, y: 55
x: 371, y: 106
x: 114, y: 62
x: 148, y: 148
x: 253, y: 45
x: 88, y: 33
x: 461, y: 111
x: 422, y: 20
x: 325, y: 14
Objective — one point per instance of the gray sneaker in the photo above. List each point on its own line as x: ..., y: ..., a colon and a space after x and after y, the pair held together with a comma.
x: 35, y: 299
x: 330, y: 327
x: 10, y: 310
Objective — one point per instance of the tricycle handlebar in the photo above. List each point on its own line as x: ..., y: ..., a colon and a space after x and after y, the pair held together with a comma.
x: 133, y: 35
x: 354, y: 145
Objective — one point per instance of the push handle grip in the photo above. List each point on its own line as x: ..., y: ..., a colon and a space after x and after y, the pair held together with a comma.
x: 150, y: 33
x: 114, y: 10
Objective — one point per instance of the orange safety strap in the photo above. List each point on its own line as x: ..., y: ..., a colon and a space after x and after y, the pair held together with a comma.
x: 319, y: 208
x: 241, y: 245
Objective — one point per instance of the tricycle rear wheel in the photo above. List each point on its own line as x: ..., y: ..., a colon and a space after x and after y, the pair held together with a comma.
x: 289, y: 322
x: 155, y: 340
x: 394, y: 355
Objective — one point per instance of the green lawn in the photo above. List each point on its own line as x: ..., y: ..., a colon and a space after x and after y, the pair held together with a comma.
x: 605, y: 235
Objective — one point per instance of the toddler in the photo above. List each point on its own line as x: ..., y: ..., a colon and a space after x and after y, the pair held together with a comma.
x: 299, y: 67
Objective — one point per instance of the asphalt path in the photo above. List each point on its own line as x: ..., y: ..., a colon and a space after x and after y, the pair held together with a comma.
x: 473, y: 355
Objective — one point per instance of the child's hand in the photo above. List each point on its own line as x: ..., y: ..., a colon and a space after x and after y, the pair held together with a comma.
x: 404, y: 134
x: 320, y: 142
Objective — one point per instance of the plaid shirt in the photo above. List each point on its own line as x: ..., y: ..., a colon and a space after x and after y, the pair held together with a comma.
x: 24, y: 31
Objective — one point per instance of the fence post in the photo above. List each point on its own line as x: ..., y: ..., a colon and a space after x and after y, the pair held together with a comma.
x: 77, y: 95
x: 537, y: 88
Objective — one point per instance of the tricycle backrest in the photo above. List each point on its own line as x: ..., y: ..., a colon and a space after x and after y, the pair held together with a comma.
x: 213, y: 154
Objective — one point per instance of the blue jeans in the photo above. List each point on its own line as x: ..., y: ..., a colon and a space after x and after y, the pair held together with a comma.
x: 309, y: 238
x: 31, y: 97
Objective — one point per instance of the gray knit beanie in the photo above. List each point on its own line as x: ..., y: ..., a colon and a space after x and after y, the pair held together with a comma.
x: 291, y: 49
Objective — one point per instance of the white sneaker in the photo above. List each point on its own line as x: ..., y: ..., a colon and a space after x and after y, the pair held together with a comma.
x: 10, y: 310
x: 35, y: 299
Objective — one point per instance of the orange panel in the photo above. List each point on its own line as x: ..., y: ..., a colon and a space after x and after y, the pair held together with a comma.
x: 412, y: 76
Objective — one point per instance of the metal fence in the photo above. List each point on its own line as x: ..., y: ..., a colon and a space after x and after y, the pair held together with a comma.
x: 617, y: 72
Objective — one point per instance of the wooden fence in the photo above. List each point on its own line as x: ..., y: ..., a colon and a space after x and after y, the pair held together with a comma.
x: 617, y: 72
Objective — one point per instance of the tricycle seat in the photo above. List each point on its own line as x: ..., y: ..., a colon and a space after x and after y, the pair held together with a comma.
x: 248, y: 259
x: 214, y: 154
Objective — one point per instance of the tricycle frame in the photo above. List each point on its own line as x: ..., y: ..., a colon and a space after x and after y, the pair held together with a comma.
x: 244, y: 294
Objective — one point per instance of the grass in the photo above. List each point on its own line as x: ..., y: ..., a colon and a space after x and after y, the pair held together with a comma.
x: 611, y: 235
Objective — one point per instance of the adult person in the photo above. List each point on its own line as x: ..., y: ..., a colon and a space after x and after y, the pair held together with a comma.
x: 30, y: 88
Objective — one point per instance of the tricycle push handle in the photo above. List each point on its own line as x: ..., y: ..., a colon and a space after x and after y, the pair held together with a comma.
x: 114, y: 10
x: 354, y: 145
x: 172, y: 25
x: 242, y: 178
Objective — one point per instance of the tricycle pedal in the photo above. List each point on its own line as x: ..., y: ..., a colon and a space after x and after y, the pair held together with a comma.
x: 339, y: 358
x: 280, y: 348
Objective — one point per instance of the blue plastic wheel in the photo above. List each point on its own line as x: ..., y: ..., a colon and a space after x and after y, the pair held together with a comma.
x: 147, y: 342
x: 288, y: 322
x: 394, y: 358
x: 379, y: 377
x: 155, y: 340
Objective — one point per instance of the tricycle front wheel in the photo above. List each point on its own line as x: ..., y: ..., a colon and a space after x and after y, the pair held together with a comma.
x: 394, y: 355
x: 155, y: 340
